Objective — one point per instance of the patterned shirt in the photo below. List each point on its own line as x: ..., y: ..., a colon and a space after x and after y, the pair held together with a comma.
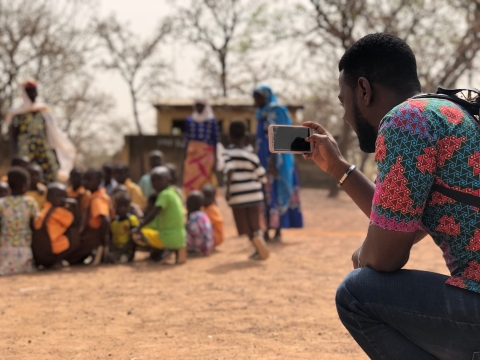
x: 423, y: 141
x: 207, y: 131
x: 199, y: 233
x: 15, y: 215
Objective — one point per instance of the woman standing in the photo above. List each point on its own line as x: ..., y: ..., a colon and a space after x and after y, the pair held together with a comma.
x: 36, y: 136
x: 201, y: 138
x: 282, y: 191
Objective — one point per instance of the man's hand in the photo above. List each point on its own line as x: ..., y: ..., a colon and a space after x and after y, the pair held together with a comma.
x: 326, y: 153
x: 356, y: 258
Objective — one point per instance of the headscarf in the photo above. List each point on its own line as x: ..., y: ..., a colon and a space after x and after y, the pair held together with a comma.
x: 206, y: 114
x: 275, y: 114
x: 27, y: 106
x: 56, y: 138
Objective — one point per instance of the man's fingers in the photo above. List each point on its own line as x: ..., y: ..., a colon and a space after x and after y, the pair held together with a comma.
x: 317, y: 127
x: 316, y: 138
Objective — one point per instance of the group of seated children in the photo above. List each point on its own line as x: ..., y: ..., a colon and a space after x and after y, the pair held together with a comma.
x: 104, y: 217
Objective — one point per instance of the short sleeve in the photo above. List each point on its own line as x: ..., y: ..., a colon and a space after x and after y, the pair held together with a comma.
x: 32, y: 207
x: 134, y: 221
x: 162, y: 199
x: 99, y: 207
x: 406, y: 158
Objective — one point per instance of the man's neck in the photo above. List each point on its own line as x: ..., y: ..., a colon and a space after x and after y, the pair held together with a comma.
x: 389, y: 100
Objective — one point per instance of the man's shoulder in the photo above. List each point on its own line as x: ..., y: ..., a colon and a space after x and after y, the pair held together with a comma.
x: 425, y: 110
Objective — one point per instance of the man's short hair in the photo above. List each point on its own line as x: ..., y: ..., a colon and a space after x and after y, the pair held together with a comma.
x: 383, y: 59
x: 237, y: 129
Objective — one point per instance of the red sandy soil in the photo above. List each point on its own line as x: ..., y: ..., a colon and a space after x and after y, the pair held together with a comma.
x: 221, y: 307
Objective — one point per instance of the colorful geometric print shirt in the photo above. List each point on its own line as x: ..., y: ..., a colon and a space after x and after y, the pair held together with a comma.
x: 423, y: 141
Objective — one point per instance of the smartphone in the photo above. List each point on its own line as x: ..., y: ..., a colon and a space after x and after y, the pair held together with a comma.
x: 286, y: 139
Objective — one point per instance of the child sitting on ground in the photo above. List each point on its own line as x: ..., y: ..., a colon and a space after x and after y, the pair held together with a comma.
x: 4, y: 189
x: 77, y: 191
x: 244, y: 178
x: 56, y: 229
x: 95, y: 230
x: 134, y: 208
x: 174, y: 180
x: 155, y: 158
x: 163, y: 226
x: 121, y: 174
x: 109, y: 183
x: 37, y: 190
x: 213, y: 212
x: 122, y: 246
x: 18, y: 160
x: 199, y: 229
x: 17, y: 213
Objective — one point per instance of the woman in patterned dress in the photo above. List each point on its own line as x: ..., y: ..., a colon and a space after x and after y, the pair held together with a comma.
x: 201, y: 138
x: 282, y: 191
x: 17, y: 213
x: 36, y: 136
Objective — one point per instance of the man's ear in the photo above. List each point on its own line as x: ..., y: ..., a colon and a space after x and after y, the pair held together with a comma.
x: 365, y: 91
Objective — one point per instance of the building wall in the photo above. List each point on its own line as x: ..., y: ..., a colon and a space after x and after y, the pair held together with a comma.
x: 166, y: 117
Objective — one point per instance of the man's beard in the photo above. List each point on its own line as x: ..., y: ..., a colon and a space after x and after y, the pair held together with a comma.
x: 366, y: 133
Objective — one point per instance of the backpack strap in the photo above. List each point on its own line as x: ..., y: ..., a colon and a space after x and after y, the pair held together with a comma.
x: 472, y: 106
x: 467, y: 199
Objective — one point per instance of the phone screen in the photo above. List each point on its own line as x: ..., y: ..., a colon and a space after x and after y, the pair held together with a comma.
x: 290, y: 139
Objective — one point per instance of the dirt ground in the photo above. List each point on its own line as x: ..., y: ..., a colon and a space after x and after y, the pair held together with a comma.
x: 220, y: 307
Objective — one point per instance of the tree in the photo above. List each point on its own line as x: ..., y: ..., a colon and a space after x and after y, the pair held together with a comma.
x: 85, y: 114
x: 133, y: 59
x: 223, y: 28
x: 41, y: 39
x: 443, y: 34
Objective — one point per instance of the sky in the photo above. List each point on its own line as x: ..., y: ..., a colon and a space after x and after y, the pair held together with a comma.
x: 143, y: 17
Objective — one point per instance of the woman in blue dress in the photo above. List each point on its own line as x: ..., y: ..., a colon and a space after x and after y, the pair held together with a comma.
x: 282, y: 191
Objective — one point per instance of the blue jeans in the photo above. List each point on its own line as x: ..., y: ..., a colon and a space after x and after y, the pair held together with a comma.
x: 409, y: 314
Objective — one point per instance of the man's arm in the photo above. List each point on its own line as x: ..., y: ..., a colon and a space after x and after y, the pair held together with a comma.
x: 328, y: 157
x: 382, y: 250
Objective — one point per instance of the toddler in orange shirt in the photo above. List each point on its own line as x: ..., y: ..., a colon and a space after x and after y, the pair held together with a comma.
x: 56, y: 229
x: 77, y: 191
x: 95, y: 230
x: 213, y: 212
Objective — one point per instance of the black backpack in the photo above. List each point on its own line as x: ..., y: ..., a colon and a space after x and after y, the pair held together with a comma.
x: 469, y: 99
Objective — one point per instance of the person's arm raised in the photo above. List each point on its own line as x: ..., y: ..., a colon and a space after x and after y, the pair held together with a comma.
x: 328, y: 157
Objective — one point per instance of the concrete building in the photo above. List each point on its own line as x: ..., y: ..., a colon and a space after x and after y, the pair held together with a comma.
x: 171, y: 115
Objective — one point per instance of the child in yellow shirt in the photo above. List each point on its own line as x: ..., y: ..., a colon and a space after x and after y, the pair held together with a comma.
x: 122, y: 246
